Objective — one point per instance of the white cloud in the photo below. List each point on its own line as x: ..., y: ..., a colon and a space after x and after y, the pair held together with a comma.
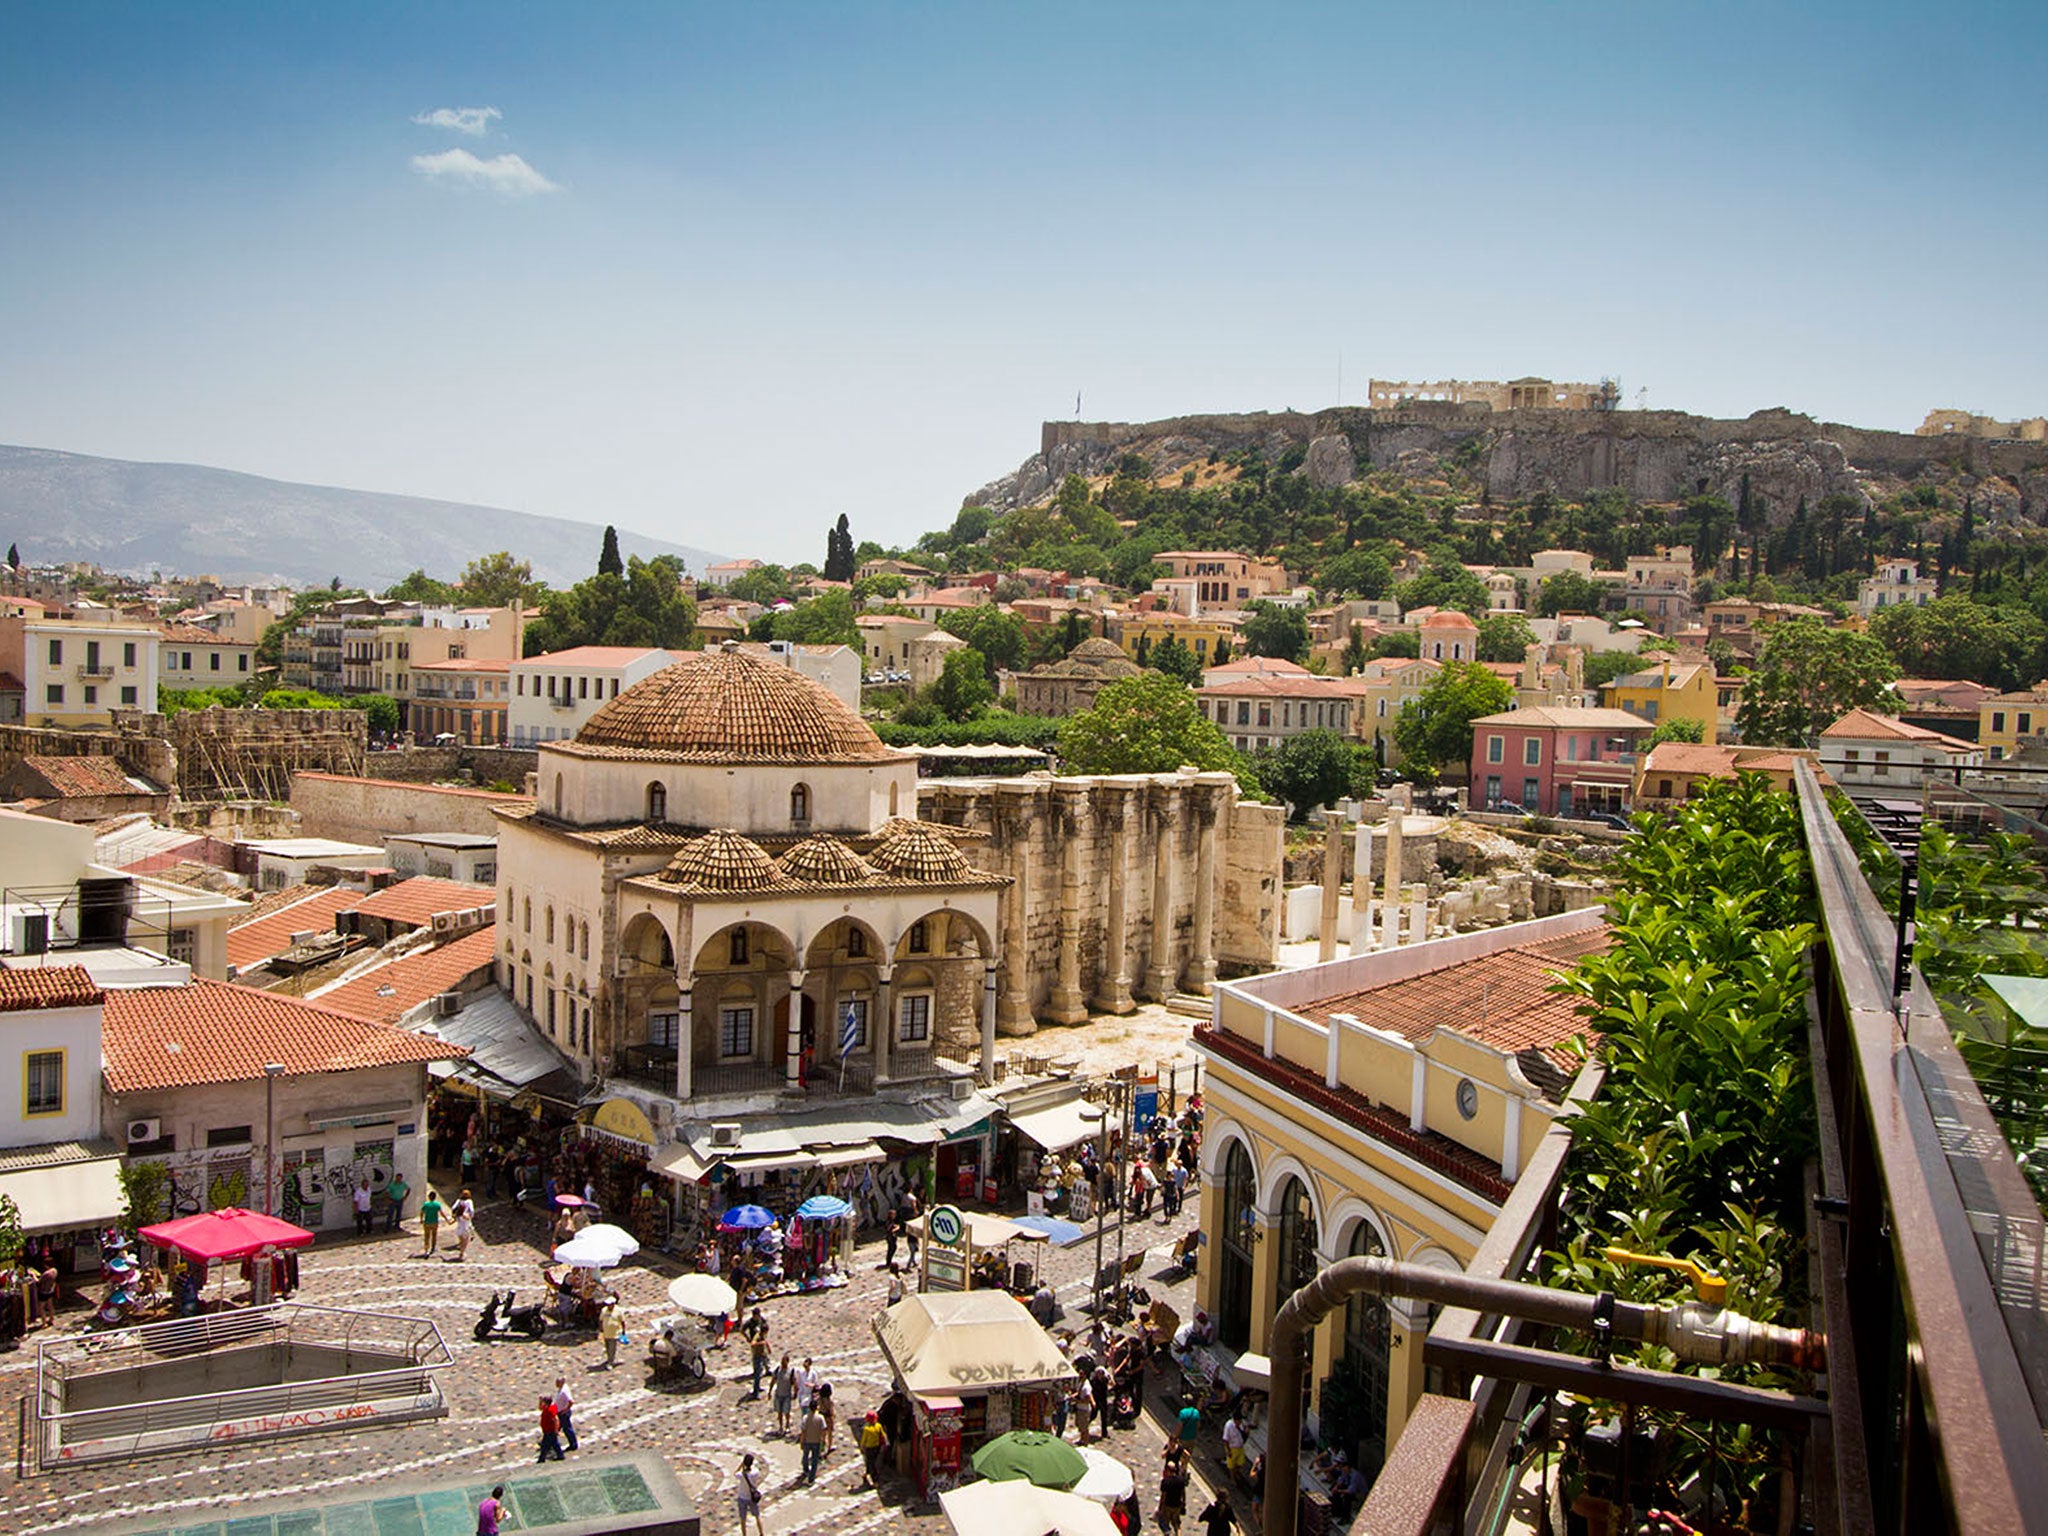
x: 508, y: 174
x: 473, y: 121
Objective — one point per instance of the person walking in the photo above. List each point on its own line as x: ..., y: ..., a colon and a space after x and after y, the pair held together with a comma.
x: 565, y: 1408
x: 464, y: 1211
x: 831, y: 1413
x: 895, y: 1284
x: 489, y: 1510
x: 747, y: 1494
x: 395, y: 1194
x: 812, y: 1436
x: 889, y: 1242
x: 873, y: 1441
x: 550, y: 1431
x: 755, y: 1331
x: 1083, y: 1399
x: 1173, y: 1493
x: 430, y: 1223
x: 1190, y: 1419
x: 807, y: 1383
x: 1234, y: 1459
x: 784, y: 1389
x: 608, y: 1329
x: 361, y: 1198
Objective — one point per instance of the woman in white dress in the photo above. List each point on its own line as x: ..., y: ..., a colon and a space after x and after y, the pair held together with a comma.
x: 464, y: 1212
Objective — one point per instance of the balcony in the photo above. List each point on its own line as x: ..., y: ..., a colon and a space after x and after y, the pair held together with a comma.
x: 95, y: 669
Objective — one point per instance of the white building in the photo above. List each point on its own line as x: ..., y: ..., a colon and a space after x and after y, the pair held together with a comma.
x: 1875, y: 752
x: 287, y: 861
x: 191, y: 657
x: 77, y: 672
x: 835, y: 668
x: 1897, y: 584
x: 554, y: 695
x: 469, y: 857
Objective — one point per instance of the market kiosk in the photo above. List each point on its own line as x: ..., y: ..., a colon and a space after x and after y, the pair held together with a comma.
x: 974, y: 1365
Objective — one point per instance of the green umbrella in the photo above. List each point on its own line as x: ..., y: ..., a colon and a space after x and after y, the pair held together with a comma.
x: 1032, y: 1454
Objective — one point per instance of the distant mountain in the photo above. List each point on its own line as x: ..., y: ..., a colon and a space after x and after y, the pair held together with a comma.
x: 194, y: 520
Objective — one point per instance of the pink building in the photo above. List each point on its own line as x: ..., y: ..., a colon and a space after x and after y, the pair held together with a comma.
x: 1556, y: 761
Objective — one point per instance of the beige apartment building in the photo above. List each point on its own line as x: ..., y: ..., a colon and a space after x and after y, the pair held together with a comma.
x: 75, y: 672
x: 191, y: 657
x: 1223, y: 578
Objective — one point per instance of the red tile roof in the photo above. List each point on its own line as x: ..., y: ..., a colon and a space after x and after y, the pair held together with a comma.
x: 390, y: 992
x: 464, y: 664
x: 256, y: 939
x: 1867, y: 725
x: 593, y: 656
x: 81, y: 775
x: 415, y: 901
x: 47, y: 986
x: 217, y: 1032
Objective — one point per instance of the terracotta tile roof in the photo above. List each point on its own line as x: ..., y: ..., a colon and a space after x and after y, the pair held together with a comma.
x: 47, y: 986
x: 415, y: 901
x: 1690, y: 757
x: 67, y: 776
x: 9, y: 683
x: 593, y: 656
x: 1307, y: 686
x: 824, y: 860
x: 1865, y: 725
x: 1448, y: 618
x: 916, y: 852
x: 464, y: 664
x: 1569, y: 718
x: 388, y: 993
x: 1258, y: 666
x: 217, y: 1032
x: 1503, y: 1000
x: 268, y: 931
x: 723, y: 860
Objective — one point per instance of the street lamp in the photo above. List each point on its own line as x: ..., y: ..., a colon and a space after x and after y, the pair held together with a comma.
x: 272, y: 1071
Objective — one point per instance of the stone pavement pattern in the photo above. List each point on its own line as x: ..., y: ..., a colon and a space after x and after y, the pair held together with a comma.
x: 491, y: 1390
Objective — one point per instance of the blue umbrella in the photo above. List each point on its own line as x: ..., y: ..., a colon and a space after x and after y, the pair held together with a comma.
x: 824, y: 1208
x: 744, y: 1218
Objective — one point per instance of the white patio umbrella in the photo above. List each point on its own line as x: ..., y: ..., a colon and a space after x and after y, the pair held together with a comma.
x: 588, y: 1255
x: 618, y: 1237
x: 1107, y: 1480
x: 705, y: 1295
x: 1017, y: 1508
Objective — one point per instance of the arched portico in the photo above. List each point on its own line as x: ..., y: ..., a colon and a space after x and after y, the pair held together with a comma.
x: 746, y: 1026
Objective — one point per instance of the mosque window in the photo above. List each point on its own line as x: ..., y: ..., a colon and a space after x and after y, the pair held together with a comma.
x: 657, y: 802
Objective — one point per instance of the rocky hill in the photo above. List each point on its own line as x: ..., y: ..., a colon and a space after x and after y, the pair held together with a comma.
x: 191, y: 519
x: 1653, y: 456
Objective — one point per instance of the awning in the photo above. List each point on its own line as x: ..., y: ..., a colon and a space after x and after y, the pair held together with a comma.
x: 67, y: 1196
x: 689, y: 1163
x: 1059, y: 1126
x: 986, y: 1231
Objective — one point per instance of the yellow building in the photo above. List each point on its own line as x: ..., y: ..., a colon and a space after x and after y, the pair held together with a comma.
x: 1387, y: 684
x: 1380, y: 1104
x: 1198, y: 635
x: 2006, y: 719
x: 1670, y: 690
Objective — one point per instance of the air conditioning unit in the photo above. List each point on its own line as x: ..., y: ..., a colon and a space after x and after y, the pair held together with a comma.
x: 444, y: 922
x: 144, y: 1130
x: 447, y: 1003
x: 303, y: 936
x: 28, y: 933
x: 725, y: 1133
x: 960, y: 1088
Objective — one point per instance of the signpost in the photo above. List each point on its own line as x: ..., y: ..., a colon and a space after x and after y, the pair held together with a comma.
x: 945, y: 1250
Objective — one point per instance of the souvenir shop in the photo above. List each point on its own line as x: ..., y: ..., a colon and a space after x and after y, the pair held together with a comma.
x: 607, y: 1152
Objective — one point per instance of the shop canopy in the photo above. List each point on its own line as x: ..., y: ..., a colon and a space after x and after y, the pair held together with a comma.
x: 966, y: 1342
x: 1021, y: 1509
x: 65, y: 1186
x: 1057, y: 1127
x: 214, y: 1237
x: 986, y: 1231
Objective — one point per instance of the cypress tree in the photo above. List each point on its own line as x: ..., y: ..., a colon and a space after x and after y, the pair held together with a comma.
x: 608, y: 561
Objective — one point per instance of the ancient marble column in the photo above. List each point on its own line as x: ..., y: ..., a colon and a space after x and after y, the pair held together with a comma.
x: 1202, y: 964
x: 686, y: 1037
x: 1114, y: 992
x: 1014, y: 810
x: 1067, y: 1005
x: 1361, y: 889
x: 1162, y: 975
x: 1390, y: 904
x: 792, y: 1069
x: 1333, y: 885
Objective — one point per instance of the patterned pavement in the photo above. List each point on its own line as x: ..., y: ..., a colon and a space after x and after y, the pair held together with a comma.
x: 491, y: 1389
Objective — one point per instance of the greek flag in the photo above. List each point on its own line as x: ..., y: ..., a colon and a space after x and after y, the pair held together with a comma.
x: 849, y: 1032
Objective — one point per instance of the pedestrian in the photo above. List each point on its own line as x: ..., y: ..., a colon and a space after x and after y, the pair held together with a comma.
x: 895, y: 1283
x: 895, y: 1235
x: 395, y: 1193
x: 1234, y: 1459
x: 1099, y: 1390
x: 465, y: 1224
x: 873, y: 1441
x: 747, y: 1494
x: 1218, y: 1519
x: 1059, y: 1414
x: 609, y: 1328
x: 756, y: 1334
x: 491, y: 1162
x: 550, y: 1431
x: 487, y: 1512
x: 831, y: 1413
x: 1173, y: 1494
x: 807, y: 1383
x: 1190, y: 1421
x: 783, y: 1386
x: 1083, y: 1399
x: 813, y: 1437
x: 430, y: 1223
x: 361, y: 1198
x: 469, y: 1160
x: 565, y: 1407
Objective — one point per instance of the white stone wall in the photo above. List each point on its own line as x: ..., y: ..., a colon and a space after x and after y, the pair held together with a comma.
x: 752, y: 799
x: 75, y: 1032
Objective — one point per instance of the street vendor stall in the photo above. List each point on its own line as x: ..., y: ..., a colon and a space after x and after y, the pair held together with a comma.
x: 974, y: 1365
x: 983, y: 1244
x: 227, y: 1237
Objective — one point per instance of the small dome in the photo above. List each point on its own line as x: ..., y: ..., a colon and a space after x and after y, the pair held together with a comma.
x: 918, y: 853
x: 723, y: 861
x: 728, y: 706
x: 825, y: 860
x: 1098, y: 650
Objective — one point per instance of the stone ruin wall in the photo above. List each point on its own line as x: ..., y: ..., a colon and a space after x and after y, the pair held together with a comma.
x: 252, y: 754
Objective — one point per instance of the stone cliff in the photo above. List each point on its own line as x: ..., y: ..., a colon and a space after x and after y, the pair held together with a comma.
x: 1650, y: 455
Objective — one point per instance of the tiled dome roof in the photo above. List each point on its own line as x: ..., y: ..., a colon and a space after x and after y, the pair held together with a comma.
x: 823, y: 860
x: 727, y: 706
x: 723, y: 861
x: 918, y: 853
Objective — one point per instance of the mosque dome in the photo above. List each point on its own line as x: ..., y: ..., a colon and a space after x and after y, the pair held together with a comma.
x: 723, y: 861
x: 823, y: 860
x: 729, y: 707
x: 911, y: 851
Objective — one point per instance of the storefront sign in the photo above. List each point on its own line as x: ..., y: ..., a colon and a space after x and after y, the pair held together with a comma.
x: 945, y: 1250
x: 625, y: 1120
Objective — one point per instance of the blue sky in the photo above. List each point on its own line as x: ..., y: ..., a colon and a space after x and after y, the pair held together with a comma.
x: 756, y: 265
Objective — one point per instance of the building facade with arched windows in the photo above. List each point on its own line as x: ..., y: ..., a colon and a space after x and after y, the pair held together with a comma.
x: 1382, y: 1104
x: 721, y: 882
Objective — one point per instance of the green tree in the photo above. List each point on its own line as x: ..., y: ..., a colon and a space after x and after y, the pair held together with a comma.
x: 963, y: 689
x: 1150, y: 723
x: 765, y: 584
x: 381, y: 710
x: 1435, y: 727
x: 1504, y: 637
x: 1958, y: 637
x: 1807, y: 676
x: 648, y: 606
x: 419, y: 587
x: 14, y: 556
x: 1404, y: 643
x: 1313, y: 769
x: 1072, y: 634
x: 1355, y: 573
x: 1603, y: 667
x: 1444, y: 584
x: 826, y: 619
x: 498, y: 581
x: 608, y: 561
x: 1675, y: 729
x: 1222, y: 652
x: 1356, y: 652
x: 1271, y: 630
x: 840, y: 563
x: 1568, y: 592
x: 997, y: 635
x: 296, y: 698
x: 1174, y: 657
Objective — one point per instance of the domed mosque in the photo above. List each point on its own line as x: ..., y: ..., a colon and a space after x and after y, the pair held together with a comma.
x: 721, y: 901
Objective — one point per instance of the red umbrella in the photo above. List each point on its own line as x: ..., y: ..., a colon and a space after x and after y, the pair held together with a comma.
x: 214, y: 1237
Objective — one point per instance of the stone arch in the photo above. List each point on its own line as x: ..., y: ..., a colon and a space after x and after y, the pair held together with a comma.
x: 1274, y: 1176
x: 657, y: 801
x: 1217, y: 1136
x: 644, y: 945
x: 1236, y: 1246
x: 1346, y: 1216
x: 947, y: 930
x: 829, y: 945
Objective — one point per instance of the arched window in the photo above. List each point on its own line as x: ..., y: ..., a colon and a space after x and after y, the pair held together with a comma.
x: 856, y: 943
x: 1234, y: 1271
x: 549, y: 932
x: 558, y: 794
x: 1353, y: 1408
x: 894, y: 790
x: 920, y: 937
x: 526, y: 915
x: 657, y: 802
x: 586, y: 941
x: 1297, y: 1238
x: 800, y: 805
x: 740, y: 953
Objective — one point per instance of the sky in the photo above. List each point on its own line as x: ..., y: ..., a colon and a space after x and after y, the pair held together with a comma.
x: 720, y: 273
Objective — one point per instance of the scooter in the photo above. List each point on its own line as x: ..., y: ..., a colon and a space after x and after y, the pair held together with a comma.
x: 501, y: 1317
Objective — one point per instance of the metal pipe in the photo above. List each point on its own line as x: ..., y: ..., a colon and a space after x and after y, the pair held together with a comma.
x: 1690, y: 1329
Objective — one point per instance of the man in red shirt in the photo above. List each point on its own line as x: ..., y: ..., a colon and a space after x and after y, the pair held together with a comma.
x: 550, y: 1431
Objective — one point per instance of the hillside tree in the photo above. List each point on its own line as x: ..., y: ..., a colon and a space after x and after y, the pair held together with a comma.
x: 840, y: 563
x: 1271, y: 630
x: 962, y: 689
x: 608, y: 561
x: 1313, y: 769
x: 499, y: 580
x: 997, y: 635
x: 1150, y: 723
x: 1808, y: 676
x: 648, y: 606
x: 1176, y: 658
x: 1504, y: 637
x: 1568, y: 592
x: 1435, y: 727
